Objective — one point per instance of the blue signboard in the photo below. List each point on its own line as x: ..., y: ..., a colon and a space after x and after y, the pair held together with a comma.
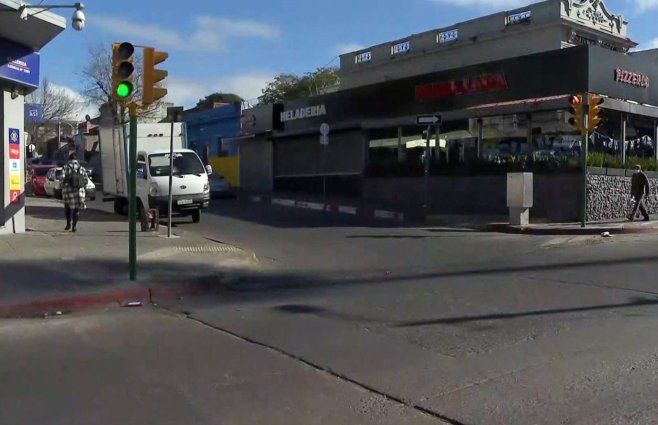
x: 34, y: 113
x: 18, y: 64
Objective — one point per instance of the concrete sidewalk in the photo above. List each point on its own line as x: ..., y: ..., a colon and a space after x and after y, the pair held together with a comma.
x: 47, y: 264
x: 591, y: 228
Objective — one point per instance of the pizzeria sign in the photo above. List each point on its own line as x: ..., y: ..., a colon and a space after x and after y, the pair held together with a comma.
x: 632, y: 78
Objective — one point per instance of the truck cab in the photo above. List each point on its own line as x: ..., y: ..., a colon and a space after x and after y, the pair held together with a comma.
x: 190, y: 185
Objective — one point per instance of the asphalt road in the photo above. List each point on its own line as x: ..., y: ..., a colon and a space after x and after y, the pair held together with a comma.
x: 472, y: 328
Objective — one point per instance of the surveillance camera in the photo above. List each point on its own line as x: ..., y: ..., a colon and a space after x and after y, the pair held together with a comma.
x: 78, y: 20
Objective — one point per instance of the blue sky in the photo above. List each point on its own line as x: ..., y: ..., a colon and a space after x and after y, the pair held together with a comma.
x: 237, y: 46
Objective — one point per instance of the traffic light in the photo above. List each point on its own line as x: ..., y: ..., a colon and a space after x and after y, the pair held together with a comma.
x: 594, y: 116
x: 576, y: 111
x: 122, y: 71
x: 150, y: 92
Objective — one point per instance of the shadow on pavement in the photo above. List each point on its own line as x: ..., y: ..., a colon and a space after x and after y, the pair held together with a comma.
x: 57, y: 212
x: 302, y: 309
x: 287, y: 217
x: 71, y: 274
x: 24, y: 279
x: 633, y: 302
x: 301, y: 281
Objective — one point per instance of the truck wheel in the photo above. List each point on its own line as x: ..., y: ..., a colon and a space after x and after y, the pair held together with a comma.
x: 196, y: 216
x: 143, y: 217
x: 120, y: 206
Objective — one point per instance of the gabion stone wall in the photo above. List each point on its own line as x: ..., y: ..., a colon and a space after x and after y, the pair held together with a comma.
x: 609, y: 197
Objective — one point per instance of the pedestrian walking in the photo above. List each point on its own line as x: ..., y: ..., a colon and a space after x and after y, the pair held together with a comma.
x: 73, y: 191
x: 639, y: 191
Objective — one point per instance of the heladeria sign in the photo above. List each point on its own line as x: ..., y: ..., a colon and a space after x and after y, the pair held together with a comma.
x: 301, y: 113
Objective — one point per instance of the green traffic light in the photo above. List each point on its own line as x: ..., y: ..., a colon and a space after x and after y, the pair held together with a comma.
x: 124, y: 89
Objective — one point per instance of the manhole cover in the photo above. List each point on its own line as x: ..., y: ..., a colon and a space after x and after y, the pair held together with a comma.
x: 209, y: 249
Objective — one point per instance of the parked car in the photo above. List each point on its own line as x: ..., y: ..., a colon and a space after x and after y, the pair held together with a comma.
x: 53, y: 184
x: 38, y: 178
x: 219, y: 187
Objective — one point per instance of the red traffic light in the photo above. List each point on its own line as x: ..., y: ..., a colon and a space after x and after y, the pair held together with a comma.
x: 575, y: 100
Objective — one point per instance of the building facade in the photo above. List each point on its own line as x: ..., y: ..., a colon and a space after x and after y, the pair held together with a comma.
x: 20, y: 43
x: 501, y: 85
x: 210, y: 132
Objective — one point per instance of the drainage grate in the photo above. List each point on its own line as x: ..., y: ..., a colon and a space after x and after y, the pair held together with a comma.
x: 209, y: 249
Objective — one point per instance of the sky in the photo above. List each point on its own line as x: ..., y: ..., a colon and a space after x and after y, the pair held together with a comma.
x: 238, y: 46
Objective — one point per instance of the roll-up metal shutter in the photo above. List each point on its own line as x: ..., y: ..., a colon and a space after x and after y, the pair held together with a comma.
x: 303, y: 156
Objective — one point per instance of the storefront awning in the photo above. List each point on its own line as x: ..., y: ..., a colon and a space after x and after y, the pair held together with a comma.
x: 34, y: 32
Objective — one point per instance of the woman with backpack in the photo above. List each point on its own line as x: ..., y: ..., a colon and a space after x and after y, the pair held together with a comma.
x: 73, y: 191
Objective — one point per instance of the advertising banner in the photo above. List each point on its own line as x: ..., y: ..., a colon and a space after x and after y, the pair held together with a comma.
x: 14, y: 143
x: 18, y: 64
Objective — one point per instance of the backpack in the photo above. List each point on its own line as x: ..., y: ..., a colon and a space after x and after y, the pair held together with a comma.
x: 77, y: 179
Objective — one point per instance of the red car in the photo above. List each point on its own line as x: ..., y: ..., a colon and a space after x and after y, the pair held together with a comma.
x: 38, y: 178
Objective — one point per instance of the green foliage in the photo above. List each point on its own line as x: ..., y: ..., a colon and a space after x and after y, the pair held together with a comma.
x: 291, y: 86
x: 389, y: 167
x: 208, y: 101
x: 605, y: 160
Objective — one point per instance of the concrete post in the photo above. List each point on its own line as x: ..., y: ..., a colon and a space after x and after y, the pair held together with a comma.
x: 401, y: 152
x: 655, y: 139
x: 479, y: 135
x: 12, y: 155
x: 623, y: 139
x: 529, y: 132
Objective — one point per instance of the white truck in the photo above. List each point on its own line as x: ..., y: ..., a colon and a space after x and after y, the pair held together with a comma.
x: 190, y: 188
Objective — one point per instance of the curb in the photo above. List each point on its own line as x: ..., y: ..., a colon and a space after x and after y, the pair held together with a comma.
x: 333, y: 208
x: 157, y: 294
x: 507, y: 228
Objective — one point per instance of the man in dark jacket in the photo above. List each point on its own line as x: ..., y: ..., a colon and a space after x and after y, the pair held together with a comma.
x: 639, y: 190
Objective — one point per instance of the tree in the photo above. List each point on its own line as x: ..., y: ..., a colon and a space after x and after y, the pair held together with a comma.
x: 291, y: 86
x: 97, y: 79
x: 58, y: 104
x: 208, y: 101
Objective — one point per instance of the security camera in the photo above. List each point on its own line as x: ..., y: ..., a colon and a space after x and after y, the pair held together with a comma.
x: 78, y: 19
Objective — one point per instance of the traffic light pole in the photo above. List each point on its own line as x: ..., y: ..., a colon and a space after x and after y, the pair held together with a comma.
x: 132, y: 198
x: 583, y: 151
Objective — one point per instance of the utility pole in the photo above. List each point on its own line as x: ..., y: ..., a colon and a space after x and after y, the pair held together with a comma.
x: 132, y: 199
x: 174, y: 114
x: 583, y: 152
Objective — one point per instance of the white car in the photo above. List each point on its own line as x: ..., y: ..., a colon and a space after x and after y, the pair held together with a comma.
x: 53, y: 185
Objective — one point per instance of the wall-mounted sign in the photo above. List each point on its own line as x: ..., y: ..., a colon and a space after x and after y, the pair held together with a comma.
x: 399, y: 48
x: 14, y: 182
x: 363, y: 57
x: 15, y: 196
x: 33, y: 113
x: 14, y: 166
x: 18, y: 64
x: 14, y: 143
x: 518, y: 18
x: 448, y: 36
x: 479, y: 83
x: 301, y: 113
x: 632, y: 78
